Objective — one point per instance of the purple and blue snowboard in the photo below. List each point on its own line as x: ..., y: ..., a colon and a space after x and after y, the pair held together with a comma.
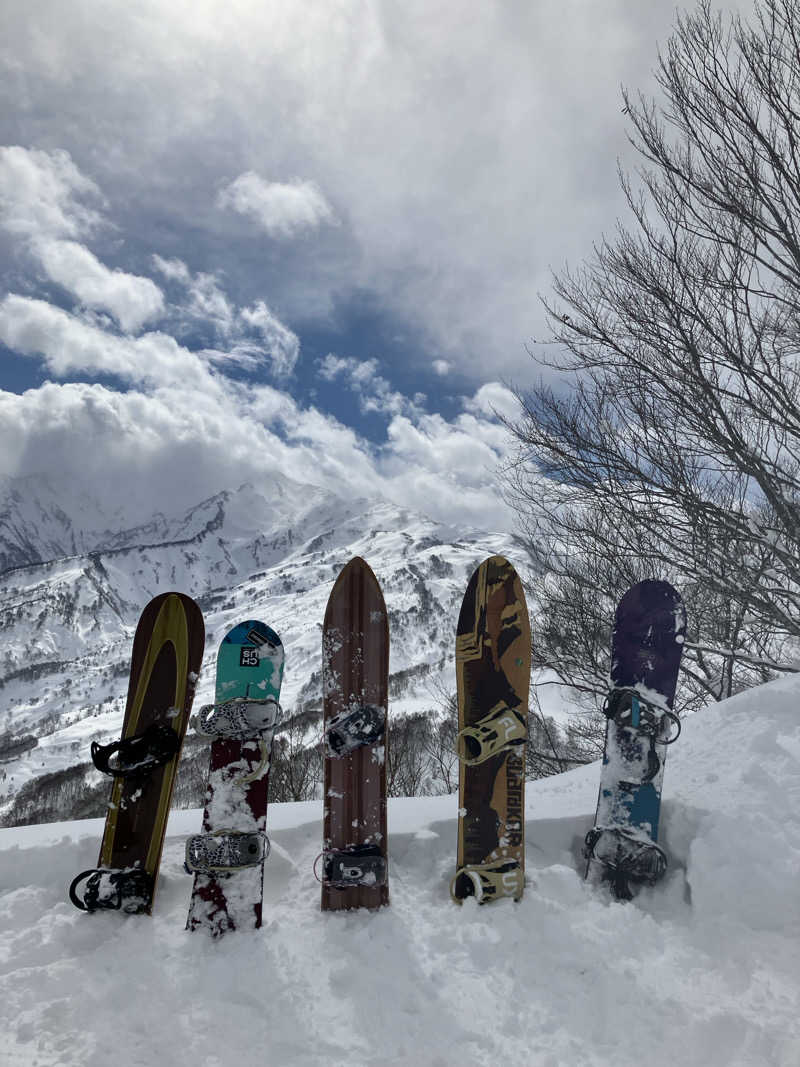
x: 646, y: 648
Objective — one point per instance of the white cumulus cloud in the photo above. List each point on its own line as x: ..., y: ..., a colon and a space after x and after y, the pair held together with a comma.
x: 131, y: 299
x: 42, y: 194
x: 68, y: 345
x: 282, y: 209
x: 43, y: 201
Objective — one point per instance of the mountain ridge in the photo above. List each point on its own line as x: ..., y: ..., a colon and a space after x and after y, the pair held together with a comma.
x: 67, y: 621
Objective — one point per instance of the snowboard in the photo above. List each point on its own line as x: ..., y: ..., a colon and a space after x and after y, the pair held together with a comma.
x: 227, y: 858
x: 646, y: 647
x: 493, y: 665
x: 355, y: 680
x: 165, y: 662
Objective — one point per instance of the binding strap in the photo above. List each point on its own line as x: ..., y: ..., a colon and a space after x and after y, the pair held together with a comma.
x: 502, y: 729
x: 240, y: 719
x: 139, y: 754
x: 488, y: 881
x: 129, y: 889
x: 627, y: 856
x: 359, y: 865
x: 224, y: 851
x: 640, y: 714
x: 630, y: 711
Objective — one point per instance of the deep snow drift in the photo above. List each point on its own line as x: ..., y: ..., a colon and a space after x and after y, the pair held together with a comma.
x: 702, y: 970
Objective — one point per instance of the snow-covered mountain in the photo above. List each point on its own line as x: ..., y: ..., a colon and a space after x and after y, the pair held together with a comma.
x: 75, y: 583
x: 703, y: 970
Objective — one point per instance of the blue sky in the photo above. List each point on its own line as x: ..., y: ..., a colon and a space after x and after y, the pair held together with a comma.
x: 311, y: 231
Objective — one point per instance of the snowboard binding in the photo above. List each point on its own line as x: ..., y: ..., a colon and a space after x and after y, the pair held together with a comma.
x: 350, y: 730
x: 137, y: 755
x: 225, y: 851
x: 627, y: 708
x: 626, y: 856
x: 240, y: 719
x: 129, y: 889
x: 363, y: 865
x: 503, y: 729
x: 488, y: 881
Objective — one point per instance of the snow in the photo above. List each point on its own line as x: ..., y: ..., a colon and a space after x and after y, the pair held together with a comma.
x: 700, y: 971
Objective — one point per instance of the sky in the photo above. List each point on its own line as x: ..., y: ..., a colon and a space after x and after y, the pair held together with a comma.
x: 304, y: 236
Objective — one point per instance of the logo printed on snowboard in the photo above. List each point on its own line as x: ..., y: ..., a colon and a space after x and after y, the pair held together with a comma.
x: 515, y: 780
x: 248, y: 657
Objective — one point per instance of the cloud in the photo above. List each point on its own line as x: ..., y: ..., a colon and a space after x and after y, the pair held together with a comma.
x: 132, y: 300
x: 173, y: 269
x: 163, y: 446
x: 282, y: 209
x: 281, y: 344
x: 41, y: 201
x: 69, y: 345
x: 465, y: 157
x: 39, y: 204
x: 493, y: 397
x: 374, y: 392
x: 207, y: 300
x: 167, y: 425
x: 254, y: 336
x: 42, y: 194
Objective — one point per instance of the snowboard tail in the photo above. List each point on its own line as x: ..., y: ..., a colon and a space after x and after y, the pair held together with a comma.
x: 493, y: 662
x: 165, y: 662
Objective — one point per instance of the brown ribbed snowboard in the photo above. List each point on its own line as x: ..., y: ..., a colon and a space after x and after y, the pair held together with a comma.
x: 355, y: 672
x: 493, y: 662
x: 165, y: 662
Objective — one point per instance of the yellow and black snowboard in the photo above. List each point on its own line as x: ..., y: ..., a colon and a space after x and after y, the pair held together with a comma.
x: 493, y: 665
x: 165, y: 663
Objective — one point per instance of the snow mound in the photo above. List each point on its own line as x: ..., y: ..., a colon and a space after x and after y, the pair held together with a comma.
x: 702, y: 970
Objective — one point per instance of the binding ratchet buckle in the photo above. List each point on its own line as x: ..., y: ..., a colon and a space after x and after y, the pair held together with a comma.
x: 502, y: 729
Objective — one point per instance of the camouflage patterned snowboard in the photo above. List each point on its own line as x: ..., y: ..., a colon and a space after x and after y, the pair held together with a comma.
x: 493, y: 664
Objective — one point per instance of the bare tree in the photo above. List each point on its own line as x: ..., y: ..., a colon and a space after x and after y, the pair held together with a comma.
x: 408, y: 768
x: 440, y: 740
x: 296, y: 768
x: 552, y: 749
x: 671, y: 446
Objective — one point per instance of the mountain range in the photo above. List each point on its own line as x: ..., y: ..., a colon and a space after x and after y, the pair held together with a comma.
x: 75, y: 576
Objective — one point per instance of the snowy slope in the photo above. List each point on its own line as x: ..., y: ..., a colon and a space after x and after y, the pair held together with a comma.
x: 702, y: 971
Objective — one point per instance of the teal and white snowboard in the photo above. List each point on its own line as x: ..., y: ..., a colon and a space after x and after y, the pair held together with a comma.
x: 227, y: 858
